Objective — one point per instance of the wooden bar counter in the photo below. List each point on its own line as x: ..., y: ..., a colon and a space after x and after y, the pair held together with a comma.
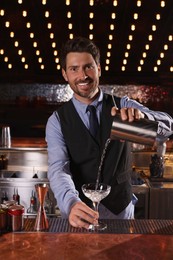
x: 88, y: 245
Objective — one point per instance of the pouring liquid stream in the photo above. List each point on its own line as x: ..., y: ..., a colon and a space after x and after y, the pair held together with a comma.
x: 101, y: 163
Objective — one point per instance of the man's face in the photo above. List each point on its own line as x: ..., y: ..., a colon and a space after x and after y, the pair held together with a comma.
x: 82, y: 74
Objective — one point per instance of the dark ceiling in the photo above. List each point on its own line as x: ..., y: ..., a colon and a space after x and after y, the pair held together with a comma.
x: 135, y: 39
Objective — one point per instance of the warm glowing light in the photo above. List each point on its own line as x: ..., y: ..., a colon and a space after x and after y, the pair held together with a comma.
x: 47, y: 14
x: 133, y: 27
x: 108, y: 54
x: 154, y: 27
x: 70, y: 26
x: 71, y: 36
x: 23, y: 59
x: 171, y: 69
x: 7, y: 24
x: 37, y: 52
x: 20, y: 52
x: 141, y: 62
x: 147, y: 46
x: 12, y: 34
x: 31, y: 35
x: 55, y: 53
x: 49, y: 25
x: 113, y: 15
x: 139, y: 68
x: 144, y: 54
x: 126, y: 54
x: 24, y: 13
x: 40, y: 60
x: 91, y: 26
x: 91, y: 15
x: 115, y: 3
x: 109, y: 46
x: 51, y: 35
x: 20, y: 1
x: 128, y: 46
x: 162, y: 55
x: 107, y: 61
x: 16, y: 43
x: 69, y: 15
x: 150, y: 37
x: 162, y: 3
x: 2, y: 12
x: 106, y: 68
x: 155, y: 69
x: 26, y: 66
x: 112, y: 27
x: 43, y: 2
x: 1, y: 51
x: 35, y: 44
x: 110, y: 37
x: 57, y: 60
x: 67, y: 2
x: 138, y: 3
x: 135, y: 16
x: 42, y: 67
x: 53, y: 44
x: 130, y: 37
x: 123, y: 68
x: 124, y: 61
x: 158, y: 62
x: 157, y: 16
x: 165, y: 47
x: 91, y: 36
x: 10, y: 66
x: 6, y: 59
x: 170, y: 38
x: 28, y: 25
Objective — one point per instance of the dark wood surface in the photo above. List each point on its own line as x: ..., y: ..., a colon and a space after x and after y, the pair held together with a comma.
x: 85, y: 246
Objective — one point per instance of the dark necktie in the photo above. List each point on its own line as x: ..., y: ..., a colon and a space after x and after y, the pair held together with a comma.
x: 93, y: 120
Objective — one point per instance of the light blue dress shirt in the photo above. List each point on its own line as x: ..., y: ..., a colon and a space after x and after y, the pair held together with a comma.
x: 59, y: 173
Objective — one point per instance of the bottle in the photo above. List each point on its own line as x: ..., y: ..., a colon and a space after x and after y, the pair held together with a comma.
x: 32, y: 209
x: 16, y: 196
x: 48, y: 205
x: 4, y: 197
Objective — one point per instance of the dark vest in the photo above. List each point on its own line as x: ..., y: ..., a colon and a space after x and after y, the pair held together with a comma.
x: 85, y: 153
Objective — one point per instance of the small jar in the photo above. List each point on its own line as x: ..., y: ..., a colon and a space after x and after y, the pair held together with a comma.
x: 16, y: 219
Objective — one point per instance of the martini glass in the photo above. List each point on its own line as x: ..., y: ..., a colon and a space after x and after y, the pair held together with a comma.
x: 96, y: 192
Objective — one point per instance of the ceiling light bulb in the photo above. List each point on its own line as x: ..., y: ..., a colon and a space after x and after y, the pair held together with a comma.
x: 91, y: 36
x: 91, y: 15
x: 170, y: 38
x: 42, y: 67
x: 106, y: 68
x: 144, y: 54
x: 113, y: 15
x: 1, y: 51
x: 53, y: 44
x: 112, y: 27
x: 69, y: 15
x: 31, y: 35
x: 130, y: 37
x: 115, y: 3
x: 107, y: 61
x: 150, y: 37
x: 24, y: 13
x: 108, y: 54
x: 147, y: 46
x: 37, y: 52
x: 133, y: 27
x: 154, y: 27
x: 110, y: 37
x: 123, y: 68
x: 124, y: 61
x: 12, y: 34
x: 109, y: 46
x: 20, y: 52
x: 20, y: 1
x: 6, y: 59
x: 135, y: 16
x: 71, y: 36
x: 43, y: 2
x: 171, y: 69
x: 126, y: 54
x: 16, y: 43
x: 2, y: 12
x: 138, y: 3
x: 28, y: 25
x: 23, y: 59
x: 141, y: 62
x: 49, y: 25
x: 139, y: 68
x: 67, y: 2
x: 91, y: 26
x: 47, y: 14
x: 10, y: 66
x: 166, y: 47
x: 7, y: 24
x: 91, y: 3
x: 51, y: 35
x: 128, y: 46
x: 157, y: 16
x: 40, y: 60
x: 26, y: 66
x: 162, y: 55
x: 158, y: 62
x: 162, y: 3
x: 35, y: 44
x: 155, y: 69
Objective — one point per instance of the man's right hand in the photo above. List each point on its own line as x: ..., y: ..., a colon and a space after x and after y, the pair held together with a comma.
x: 82, y: 216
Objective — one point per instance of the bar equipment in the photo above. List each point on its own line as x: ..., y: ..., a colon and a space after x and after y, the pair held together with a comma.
x: 41, y: 222
x: 6, y: 137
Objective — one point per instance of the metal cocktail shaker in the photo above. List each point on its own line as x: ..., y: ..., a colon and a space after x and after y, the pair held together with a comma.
x: 142, y: 131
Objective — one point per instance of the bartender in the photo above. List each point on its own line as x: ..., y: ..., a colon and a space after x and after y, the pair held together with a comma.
x: 74, y: 152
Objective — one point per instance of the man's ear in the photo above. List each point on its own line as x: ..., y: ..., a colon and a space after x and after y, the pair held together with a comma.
x: 64, y: 74
x: 99, y: 70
